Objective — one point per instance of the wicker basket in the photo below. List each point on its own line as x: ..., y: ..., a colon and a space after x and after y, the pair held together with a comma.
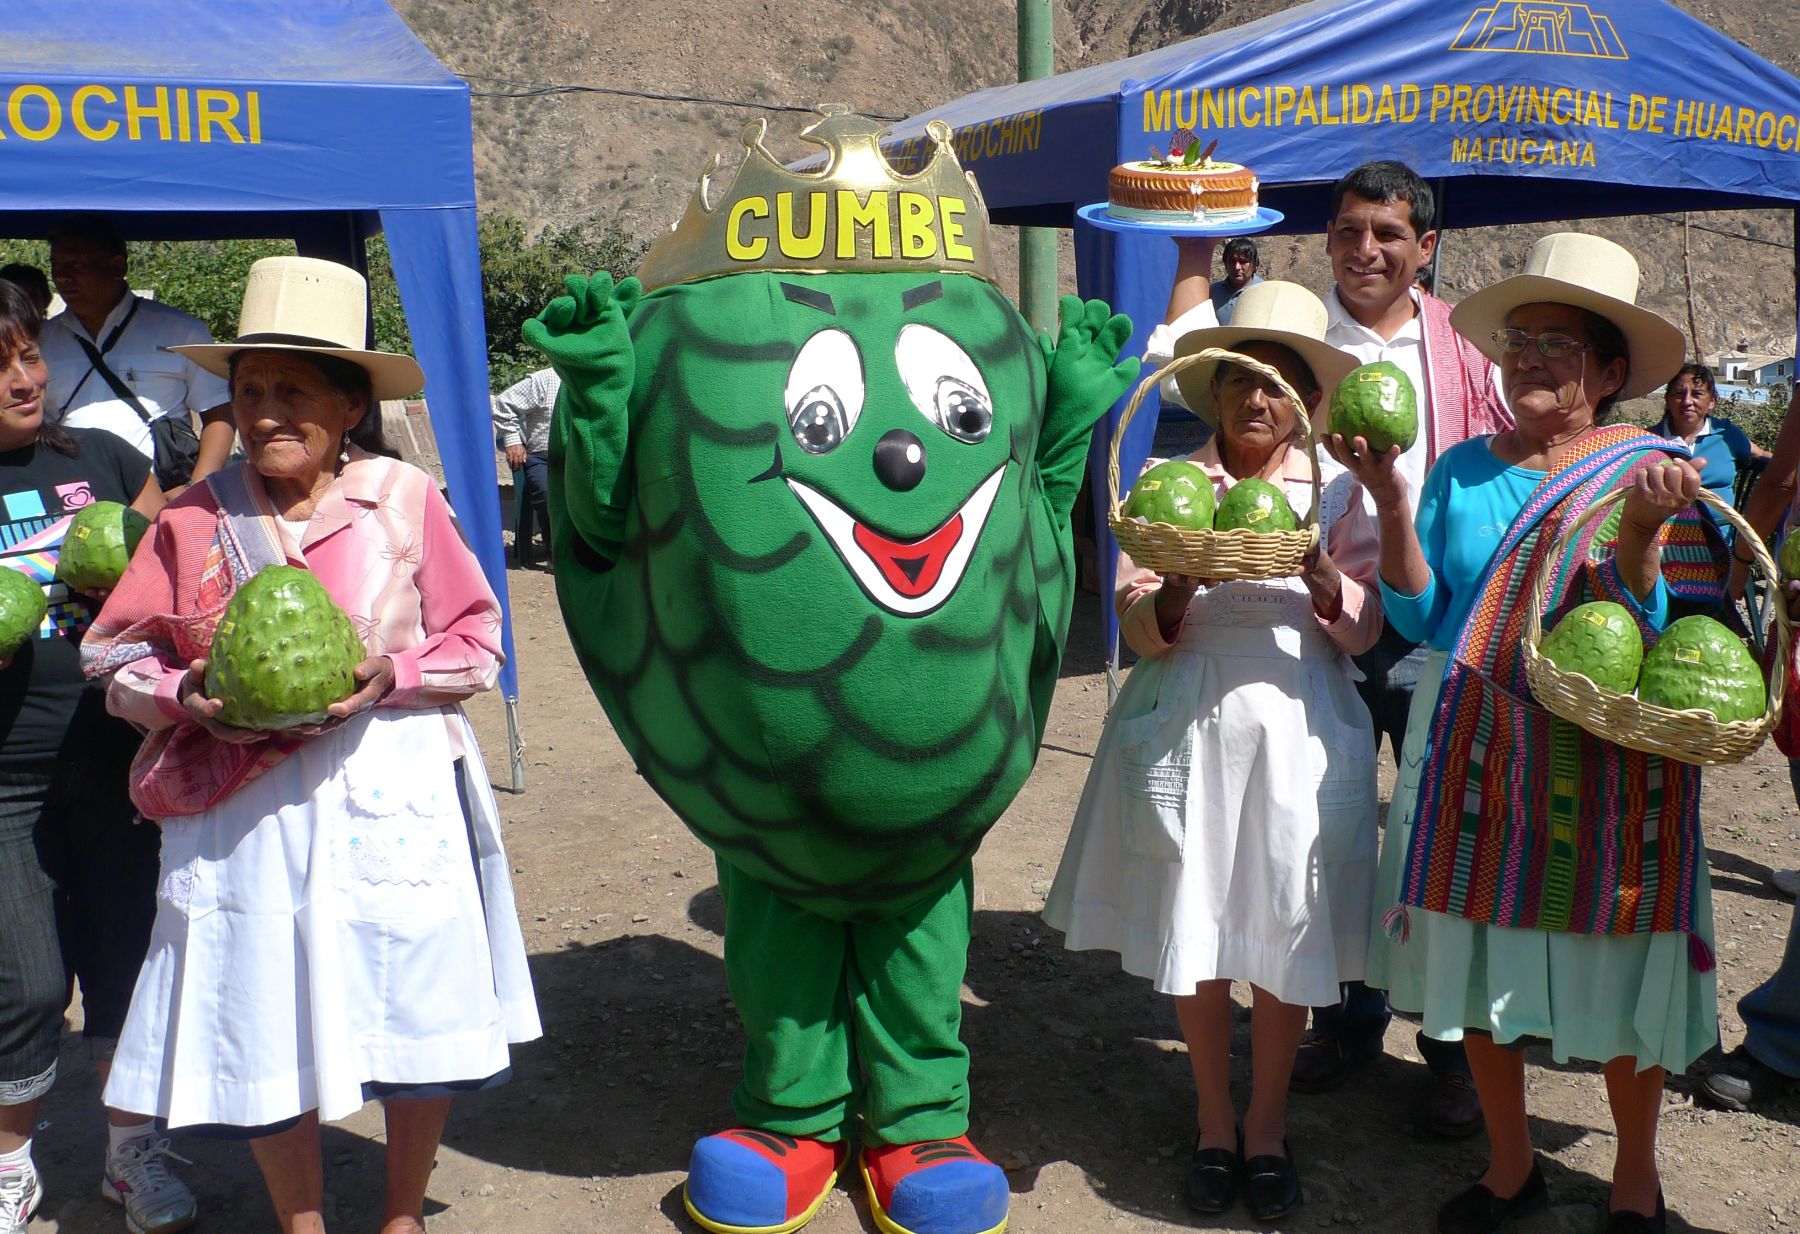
x: 1220, y: 555
x: 1685, y: 736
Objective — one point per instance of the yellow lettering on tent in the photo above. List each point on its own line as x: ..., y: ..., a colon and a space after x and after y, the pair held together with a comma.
x: 1158, y: 105
x: 1786, y: 125
x: 1187, y: 117
x: 1410, y: 101
x: 1212, y: 107
x: 1362, y: 104
x: 136, y: 113
x: 736, y: 246
x: 218, y: 108
x: 1460, y: 97
x: 15, y: 112
x: 1244, y: 107
x: 1304, y: 108
x: 78, y: 114
x: 1387, y: 109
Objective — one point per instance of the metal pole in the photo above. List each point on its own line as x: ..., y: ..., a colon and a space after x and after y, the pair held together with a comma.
x: 1038, y: 276
x: 515, y: 744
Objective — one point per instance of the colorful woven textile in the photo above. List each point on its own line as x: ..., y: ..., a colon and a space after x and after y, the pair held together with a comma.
x: 1525, y: 820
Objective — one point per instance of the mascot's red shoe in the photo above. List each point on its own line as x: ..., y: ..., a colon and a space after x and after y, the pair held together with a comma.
x: 934, y: 1187
x: 751, y: 1181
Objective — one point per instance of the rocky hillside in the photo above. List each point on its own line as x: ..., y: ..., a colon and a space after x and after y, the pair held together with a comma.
x: 559, y: 156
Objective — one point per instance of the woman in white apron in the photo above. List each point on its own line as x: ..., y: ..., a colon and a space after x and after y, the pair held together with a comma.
x: 1228, y: 827
x: 335, y: 919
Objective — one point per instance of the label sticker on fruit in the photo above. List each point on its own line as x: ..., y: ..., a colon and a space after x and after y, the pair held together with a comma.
x: 1257, y: 515
x: 82, y: 533
x: 225, y: 628
x: 1688, y: 655
x: 1149, y: 486
x: 1593, y: 618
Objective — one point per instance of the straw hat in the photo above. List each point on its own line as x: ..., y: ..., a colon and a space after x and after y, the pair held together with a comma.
x: 306, y: 304
x: 1589, y: 272
x: 1269, y: 312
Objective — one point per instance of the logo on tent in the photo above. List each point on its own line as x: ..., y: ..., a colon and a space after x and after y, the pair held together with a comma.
x: 1542, y: 27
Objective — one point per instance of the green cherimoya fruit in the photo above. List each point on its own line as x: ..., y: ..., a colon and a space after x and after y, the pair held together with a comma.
x: 282, y: 653
x: 1601, y: 642
x: 1698, y: 664
x: 1789, y: 559
x: 1177, y: 492
x: 98, y: 545
x: 1376, y: 402
x: 22, y: 609
x: 1254, y: 505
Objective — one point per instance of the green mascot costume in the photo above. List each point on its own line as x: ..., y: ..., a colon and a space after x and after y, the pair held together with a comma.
x: 810, y: 488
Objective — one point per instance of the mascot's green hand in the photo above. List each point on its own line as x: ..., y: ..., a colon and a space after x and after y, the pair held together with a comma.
x: 1086, y: 377
x: 587, y: 338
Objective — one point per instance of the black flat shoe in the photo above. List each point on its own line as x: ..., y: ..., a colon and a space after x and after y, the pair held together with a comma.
x: 1627, y: 1222
x: 1212, y: 1177
x: 1272, y: 1184
x: 1480, y: 1211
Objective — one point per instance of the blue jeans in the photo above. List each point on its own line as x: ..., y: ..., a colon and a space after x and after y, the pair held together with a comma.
x: 77, y: 899
x: 1772, y: 1010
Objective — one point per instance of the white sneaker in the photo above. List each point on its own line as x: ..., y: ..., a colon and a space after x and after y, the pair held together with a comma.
x: 137, y: 1177
x: 20, y: 1192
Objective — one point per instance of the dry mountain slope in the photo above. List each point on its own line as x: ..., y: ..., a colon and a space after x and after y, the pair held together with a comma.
x: 561, y: 157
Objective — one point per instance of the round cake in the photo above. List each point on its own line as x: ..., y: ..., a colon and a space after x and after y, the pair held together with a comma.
x: 1170, y: 192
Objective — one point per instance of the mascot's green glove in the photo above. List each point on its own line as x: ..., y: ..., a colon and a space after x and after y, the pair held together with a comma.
x: 1086, y: 377
x: 586, y: 338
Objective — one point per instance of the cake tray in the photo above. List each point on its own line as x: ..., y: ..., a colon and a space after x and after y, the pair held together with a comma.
x: 1262, y: 220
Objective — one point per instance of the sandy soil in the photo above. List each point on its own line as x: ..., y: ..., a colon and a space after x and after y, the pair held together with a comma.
x: 1081, y: 1088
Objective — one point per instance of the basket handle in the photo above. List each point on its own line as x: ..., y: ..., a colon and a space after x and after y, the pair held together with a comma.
x: 1540, y: 582
x: 1156, y: 377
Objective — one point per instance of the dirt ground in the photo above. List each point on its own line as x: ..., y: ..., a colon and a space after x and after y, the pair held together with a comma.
x: 1081, y: 1090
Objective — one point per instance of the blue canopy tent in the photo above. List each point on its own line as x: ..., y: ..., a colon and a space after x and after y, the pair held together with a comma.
x: 1519, y: 111
x: 323, y: 123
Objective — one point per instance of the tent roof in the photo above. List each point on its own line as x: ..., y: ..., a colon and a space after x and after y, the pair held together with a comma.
x: 1282, y: 95
x: 255, y: 106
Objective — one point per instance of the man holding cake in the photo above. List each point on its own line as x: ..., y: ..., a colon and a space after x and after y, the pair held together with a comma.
x: 1382, y: 230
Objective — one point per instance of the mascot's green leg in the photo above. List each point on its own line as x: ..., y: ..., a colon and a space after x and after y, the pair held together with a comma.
x: 906, y: 978
x: 832, y: 1007
x: 785, y: 967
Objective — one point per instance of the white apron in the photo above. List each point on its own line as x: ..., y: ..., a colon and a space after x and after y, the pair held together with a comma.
x: 1228, y: 825
x: 335, y: 921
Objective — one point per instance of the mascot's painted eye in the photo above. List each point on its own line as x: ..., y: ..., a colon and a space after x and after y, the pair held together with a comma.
x: 824, y: 391
x: 944, y: 383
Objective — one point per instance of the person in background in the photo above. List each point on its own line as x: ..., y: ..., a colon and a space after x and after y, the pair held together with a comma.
x: 1720, y: 447
x: 77, y: 868
x: 32, y: 280
x: 522, y: 429
x: 1382, y: 231
x: 1241, y: 263
x: 105, y: 322
x: 1426, y: 277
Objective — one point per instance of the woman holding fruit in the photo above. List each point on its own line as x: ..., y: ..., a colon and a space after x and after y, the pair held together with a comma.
x: 1539, y: 883
x: 1227, y: 829
x: 335, y: 921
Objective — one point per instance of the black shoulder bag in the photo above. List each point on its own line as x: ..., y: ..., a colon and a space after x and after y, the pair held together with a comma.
x: 177, y: 444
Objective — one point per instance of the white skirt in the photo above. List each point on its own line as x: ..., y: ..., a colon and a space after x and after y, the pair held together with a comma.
x: 1228, y: 825
x: 336, y: 921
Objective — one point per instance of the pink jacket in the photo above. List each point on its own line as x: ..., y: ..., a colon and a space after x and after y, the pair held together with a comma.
x: 384, y: 544
x: 1465, y: 399
x: 1352, y: 543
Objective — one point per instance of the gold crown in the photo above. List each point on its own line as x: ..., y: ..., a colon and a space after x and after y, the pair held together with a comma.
x: 855, y: 213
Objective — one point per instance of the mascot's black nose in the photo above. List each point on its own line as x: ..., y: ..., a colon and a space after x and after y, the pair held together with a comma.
x: 900, y: 460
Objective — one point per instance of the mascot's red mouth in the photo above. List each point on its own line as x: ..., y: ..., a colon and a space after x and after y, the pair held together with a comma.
x: 911, y: 569
x: 908, y: 577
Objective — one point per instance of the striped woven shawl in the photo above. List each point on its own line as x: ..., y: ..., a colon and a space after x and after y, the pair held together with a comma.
x: 1523, y: 819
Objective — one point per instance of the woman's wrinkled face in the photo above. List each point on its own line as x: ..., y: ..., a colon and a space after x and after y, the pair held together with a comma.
x: 1556, y: 394
x: 1253, y: 414
x: 292, y: 421
x: 23, y: 374
x: 1687, y: 403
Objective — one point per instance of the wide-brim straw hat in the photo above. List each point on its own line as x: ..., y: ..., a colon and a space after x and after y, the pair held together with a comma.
x: 1267, y: 312
x: 1589, y: 272
x: 311, y: 305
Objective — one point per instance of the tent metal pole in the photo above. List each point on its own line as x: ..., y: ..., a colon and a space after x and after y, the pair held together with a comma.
x: 1039, y: 278
x: 515, y: 744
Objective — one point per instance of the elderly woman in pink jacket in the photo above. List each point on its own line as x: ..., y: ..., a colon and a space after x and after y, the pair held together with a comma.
x: 335, y: 919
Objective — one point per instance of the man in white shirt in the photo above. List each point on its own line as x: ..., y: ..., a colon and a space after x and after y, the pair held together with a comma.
x: 88, y: 265
x: 522, y: 429
x: 1382, y: 230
